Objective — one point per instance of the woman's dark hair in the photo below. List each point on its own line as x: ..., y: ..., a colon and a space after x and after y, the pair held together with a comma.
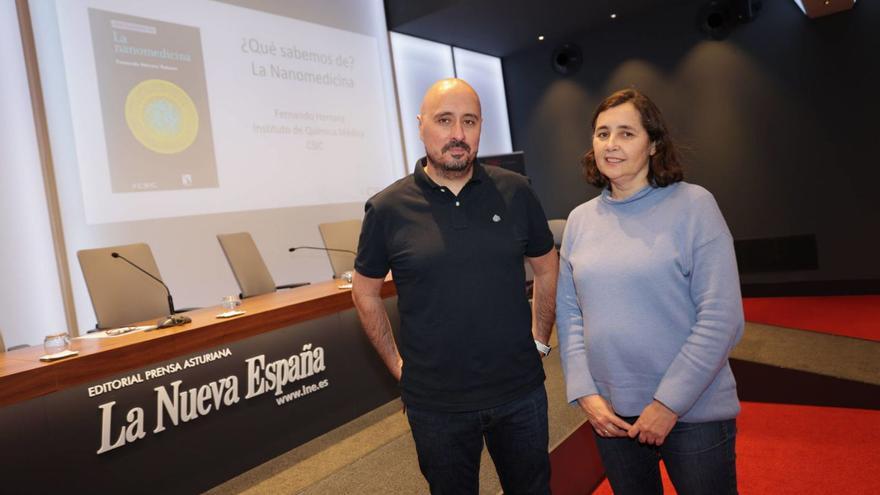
x: 664, y: 167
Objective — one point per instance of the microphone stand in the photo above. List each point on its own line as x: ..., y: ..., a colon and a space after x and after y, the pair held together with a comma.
x: 335, y: 250
x: 175, y: 320
x: 323, y: 249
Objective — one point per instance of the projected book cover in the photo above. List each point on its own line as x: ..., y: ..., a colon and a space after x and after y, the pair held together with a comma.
x: 154, y: 101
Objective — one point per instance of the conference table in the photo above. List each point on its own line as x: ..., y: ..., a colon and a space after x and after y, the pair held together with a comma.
x: 181, y: 409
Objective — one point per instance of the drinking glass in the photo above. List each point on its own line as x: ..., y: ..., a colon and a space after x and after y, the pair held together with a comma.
x: 56, y: 343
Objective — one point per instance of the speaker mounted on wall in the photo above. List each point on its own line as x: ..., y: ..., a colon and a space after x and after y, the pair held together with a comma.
x: 717, y: 18
x: 567, y: 59
x: 777, y: 254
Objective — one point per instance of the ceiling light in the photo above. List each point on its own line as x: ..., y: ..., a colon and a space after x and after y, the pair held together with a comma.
x: 614, y: 16
x: 541, y: 37
x: 820, y: 8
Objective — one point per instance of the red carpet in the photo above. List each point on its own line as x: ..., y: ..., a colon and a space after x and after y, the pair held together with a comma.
x: 785, y: 449
x: 850, y: 316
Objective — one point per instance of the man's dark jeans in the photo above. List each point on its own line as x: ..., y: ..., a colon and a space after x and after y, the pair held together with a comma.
x: 449, y: 446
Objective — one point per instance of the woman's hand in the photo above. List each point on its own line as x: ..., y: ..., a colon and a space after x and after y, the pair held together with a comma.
x: 602, y: 417
x: 655, y: 422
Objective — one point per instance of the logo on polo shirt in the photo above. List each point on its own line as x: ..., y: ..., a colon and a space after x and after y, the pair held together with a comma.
x: 496, y: 218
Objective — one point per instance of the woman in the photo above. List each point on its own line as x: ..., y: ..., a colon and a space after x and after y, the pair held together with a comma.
x: 648, y: 309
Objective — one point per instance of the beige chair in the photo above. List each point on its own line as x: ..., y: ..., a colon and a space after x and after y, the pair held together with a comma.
x: 120, y: 293
x: 3, y: 347
x: 342, y: 236
x: 557, y: 226
x: 247, y: 265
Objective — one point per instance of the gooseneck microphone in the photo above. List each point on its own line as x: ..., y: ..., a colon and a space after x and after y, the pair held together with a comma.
x: 323, y: 249
x: 157, y: 279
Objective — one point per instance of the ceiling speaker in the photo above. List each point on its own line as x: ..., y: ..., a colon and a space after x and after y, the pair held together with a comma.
x: 717, y: 18
x: 567, y: 59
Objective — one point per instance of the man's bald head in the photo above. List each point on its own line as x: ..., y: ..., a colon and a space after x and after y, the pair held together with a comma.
x: 446, y: 86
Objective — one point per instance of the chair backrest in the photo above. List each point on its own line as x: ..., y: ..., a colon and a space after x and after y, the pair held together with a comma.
x: 2, y: 345
x: 120, y: 293
x: 341, y: 235
x: 247, y: 265
x: 557, y: 226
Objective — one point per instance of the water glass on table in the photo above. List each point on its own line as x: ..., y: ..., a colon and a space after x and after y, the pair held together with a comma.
x: 56, y: 343
x: 231, y: 303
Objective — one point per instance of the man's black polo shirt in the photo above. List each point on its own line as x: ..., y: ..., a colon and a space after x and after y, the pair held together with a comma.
x: 465, y: 336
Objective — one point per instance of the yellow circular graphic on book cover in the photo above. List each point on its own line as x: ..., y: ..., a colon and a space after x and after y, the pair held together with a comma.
x: 161, y: 116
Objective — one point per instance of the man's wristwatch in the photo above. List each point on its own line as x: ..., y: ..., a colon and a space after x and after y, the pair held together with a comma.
x: 542, y: 348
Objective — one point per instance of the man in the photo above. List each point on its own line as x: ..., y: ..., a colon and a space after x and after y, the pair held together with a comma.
x: 454, y: 234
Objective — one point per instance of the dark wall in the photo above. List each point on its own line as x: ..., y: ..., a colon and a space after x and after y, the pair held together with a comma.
x: 780, y: 121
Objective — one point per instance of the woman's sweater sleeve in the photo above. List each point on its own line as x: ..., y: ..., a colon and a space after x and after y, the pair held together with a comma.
x: 715, y: 292
x: 570, y: 326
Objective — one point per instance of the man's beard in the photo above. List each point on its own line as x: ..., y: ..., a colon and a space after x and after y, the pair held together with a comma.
x: 452, y: 167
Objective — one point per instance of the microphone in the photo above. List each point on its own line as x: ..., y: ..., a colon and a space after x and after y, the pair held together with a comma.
x: 323, y: 249
x: 170, y: 301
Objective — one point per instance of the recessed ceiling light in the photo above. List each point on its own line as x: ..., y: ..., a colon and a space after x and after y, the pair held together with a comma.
x: 541, y: 37
x: 614, y: 16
